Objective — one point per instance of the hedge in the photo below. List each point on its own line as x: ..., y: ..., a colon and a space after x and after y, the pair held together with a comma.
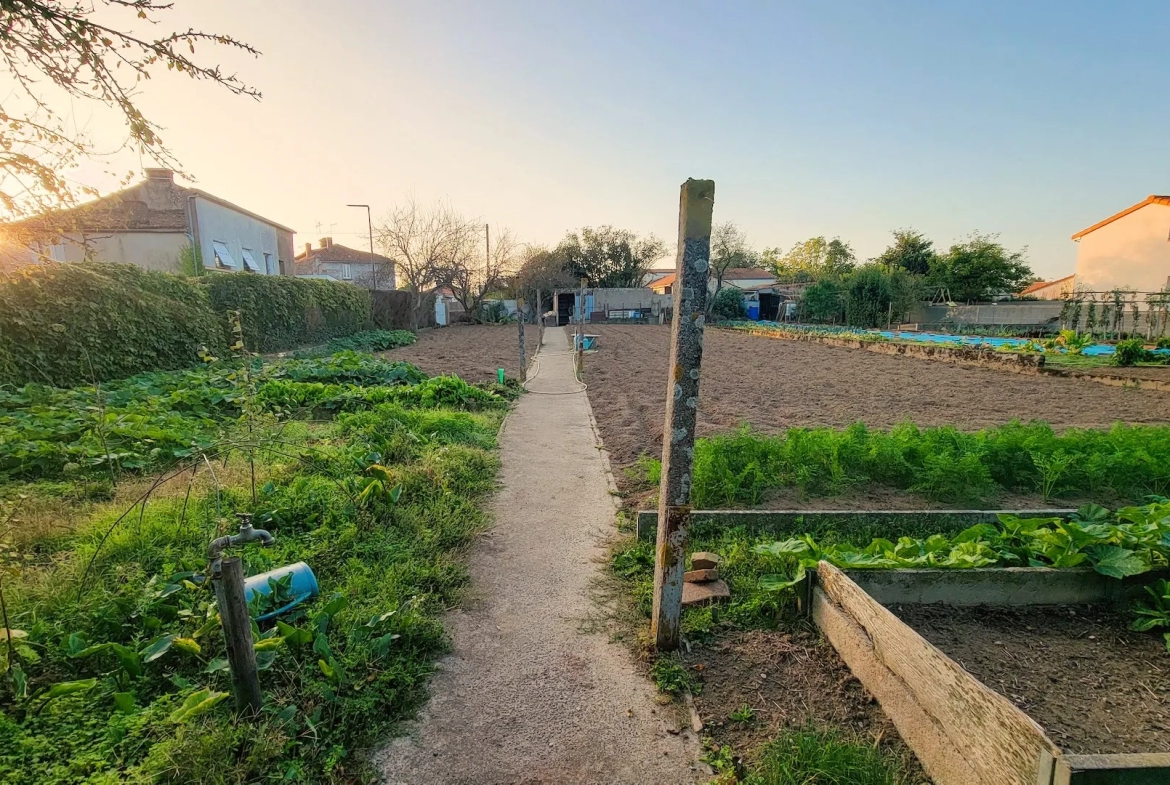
x: 282, y: 312
x: 65, y: 324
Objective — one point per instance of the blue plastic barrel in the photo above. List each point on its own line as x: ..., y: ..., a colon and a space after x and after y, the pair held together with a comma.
x: 753, y: 310
x: 303, y: 587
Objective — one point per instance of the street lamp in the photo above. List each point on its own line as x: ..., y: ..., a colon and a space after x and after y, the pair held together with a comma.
x: 370, y: 224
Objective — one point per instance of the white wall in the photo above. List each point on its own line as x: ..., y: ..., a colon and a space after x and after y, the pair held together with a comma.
x: 1132, y: 252
x: 237, y: 231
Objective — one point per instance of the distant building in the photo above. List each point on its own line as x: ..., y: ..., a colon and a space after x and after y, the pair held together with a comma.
x: 739, y: 277
x: 1050, y: 290
x: 340, y: 263
x: 151, y: 225
x: 1128, y: 250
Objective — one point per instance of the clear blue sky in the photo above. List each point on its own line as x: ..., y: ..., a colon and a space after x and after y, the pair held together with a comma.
x: 850, y: 118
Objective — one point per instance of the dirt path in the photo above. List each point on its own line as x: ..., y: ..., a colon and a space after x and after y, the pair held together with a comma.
x: 534, y: 692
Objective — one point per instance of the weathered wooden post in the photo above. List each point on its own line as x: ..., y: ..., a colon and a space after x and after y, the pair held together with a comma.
x: 237, y: 635
x: 581, y: 329
x: 539, y: 319
x: 520, y: 326
x: 682, y: 405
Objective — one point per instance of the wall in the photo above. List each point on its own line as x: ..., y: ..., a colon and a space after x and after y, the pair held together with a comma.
x: 743, y: 283
x: 1022, y: 313
x: 237, y: 231
x: 148, y: 250
x: 625, y: 299
x: 1132, y: 252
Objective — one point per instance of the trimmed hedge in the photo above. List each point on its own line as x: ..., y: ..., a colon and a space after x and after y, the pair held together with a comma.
x: 281, y: 312
x: 63, y: 324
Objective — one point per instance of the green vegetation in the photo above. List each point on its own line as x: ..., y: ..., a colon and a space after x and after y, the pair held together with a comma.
x: 824, y: 757
x: 116, y: 670
x: 150, y: 421
x: 672, y: 677
x: 67, y: 324
x: 728, y: 304
x: 945, y: 464
x: 368, y: 341
x: 281, y: 312
x: 1155, y: 615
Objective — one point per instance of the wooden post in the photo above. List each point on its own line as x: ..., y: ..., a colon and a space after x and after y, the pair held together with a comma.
x: 692, y: 268
x: 581, y: 329
x: 520, y: 326
x: 237, y: 635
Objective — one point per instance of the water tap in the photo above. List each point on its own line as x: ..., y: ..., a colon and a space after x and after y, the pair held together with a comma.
x: 246, y: 535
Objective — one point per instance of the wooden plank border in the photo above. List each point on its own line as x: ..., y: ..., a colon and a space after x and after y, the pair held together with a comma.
x: 963, y: 732
x: 1132, y: 769
x: 894, y: 523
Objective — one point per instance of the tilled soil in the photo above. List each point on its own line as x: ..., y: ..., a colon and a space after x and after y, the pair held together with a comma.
x: 789, y: 680
x: 1094, y: 685
x: 775, y: 384
x: 470, y: 351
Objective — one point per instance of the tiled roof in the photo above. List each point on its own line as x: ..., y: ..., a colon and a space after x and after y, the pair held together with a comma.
x: 666, y: 280
x: 745, y: 273
x: 339, y: 253
x: 1045, y: 284
x: 1151, y: 199
x: 157, y: 204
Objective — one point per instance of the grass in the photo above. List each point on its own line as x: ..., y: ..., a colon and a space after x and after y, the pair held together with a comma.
x: 379, y: 502
x: 941, y: 463
x: 824, y: 757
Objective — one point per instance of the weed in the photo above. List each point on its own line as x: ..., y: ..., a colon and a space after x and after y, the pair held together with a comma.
x: 825, y: 757
x: 672, y: 677
x: 744, y: 714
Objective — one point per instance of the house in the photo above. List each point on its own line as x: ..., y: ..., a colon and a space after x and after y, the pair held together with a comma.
x: 155, y: 225
x: 341, y: 263
x: 1128, y: 250
x: 656, y: 273
x: 1050, y: 290
x: 739, y: 277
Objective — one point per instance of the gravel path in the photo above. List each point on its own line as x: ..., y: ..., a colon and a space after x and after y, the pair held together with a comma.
x: 534, y: 692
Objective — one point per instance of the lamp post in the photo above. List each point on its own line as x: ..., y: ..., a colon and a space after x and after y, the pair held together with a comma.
x: 370, y: 225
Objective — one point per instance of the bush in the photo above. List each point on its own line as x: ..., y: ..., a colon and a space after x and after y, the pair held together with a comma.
x: 64, y: 324
x: 728, y: 304
x: 281, y: 312
x: 1130, y: 352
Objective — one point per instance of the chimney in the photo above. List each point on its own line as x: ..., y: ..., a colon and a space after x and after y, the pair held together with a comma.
x: 160, y: 174
x: 326, y: 242
x: 308, y: 248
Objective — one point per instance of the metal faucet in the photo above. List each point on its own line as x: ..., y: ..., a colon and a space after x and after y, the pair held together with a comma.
x: 247, y: 534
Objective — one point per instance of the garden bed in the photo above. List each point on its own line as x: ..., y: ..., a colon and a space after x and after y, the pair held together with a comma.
x: 470, y: 351
x: 773, y: 385
x: 1093, y: 684
x: 1040, y: 659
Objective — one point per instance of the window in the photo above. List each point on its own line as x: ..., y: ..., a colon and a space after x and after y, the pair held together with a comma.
x: 223, y: 259
x: 346, y: 272
x: 269, y: 267
x: 249, y: 260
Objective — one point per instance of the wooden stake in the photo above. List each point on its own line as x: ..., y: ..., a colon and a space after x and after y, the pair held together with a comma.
x: 520, y: 326
x: 237, y: 635
x: 581, y: 329
x: 692, y: 269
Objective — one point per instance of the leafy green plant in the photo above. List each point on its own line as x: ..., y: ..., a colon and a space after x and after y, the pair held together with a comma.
x: 1155, y: 613
x: 672, y: 677
x: 744, y: 715
x: 1130, y: 352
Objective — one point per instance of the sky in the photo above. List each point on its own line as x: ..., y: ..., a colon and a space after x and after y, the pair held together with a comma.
x: 1029, y: 118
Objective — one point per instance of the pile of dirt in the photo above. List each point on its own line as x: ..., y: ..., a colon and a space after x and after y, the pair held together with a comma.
x: 472, y: 352
x: 1094, y: 685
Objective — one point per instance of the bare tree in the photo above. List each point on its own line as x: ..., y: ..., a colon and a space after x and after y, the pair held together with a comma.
x: 61, y: 54
x: 541, y: 270
x: 474, y: 273
x: 729, y: 249
x: 425, y: 242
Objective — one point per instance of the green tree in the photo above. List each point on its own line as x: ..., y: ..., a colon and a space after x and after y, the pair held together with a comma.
x: 876, y: 295
x: 980, y: 268
x: 609, y: 257
x: 822, y: 303
x: 812, y: 260
x: 910, y: 251
x: 61, y: 56
x: 728, y: 304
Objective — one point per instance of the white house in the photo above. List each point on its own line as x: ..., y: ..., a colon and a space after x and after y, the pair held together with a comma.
x: 1128, y: 250
x: 153, y: 225
x: 739, y: 277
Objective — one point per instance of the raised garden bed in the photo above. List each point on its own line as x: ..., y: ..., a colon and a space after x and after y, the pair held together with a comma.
x: 961, y: 729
